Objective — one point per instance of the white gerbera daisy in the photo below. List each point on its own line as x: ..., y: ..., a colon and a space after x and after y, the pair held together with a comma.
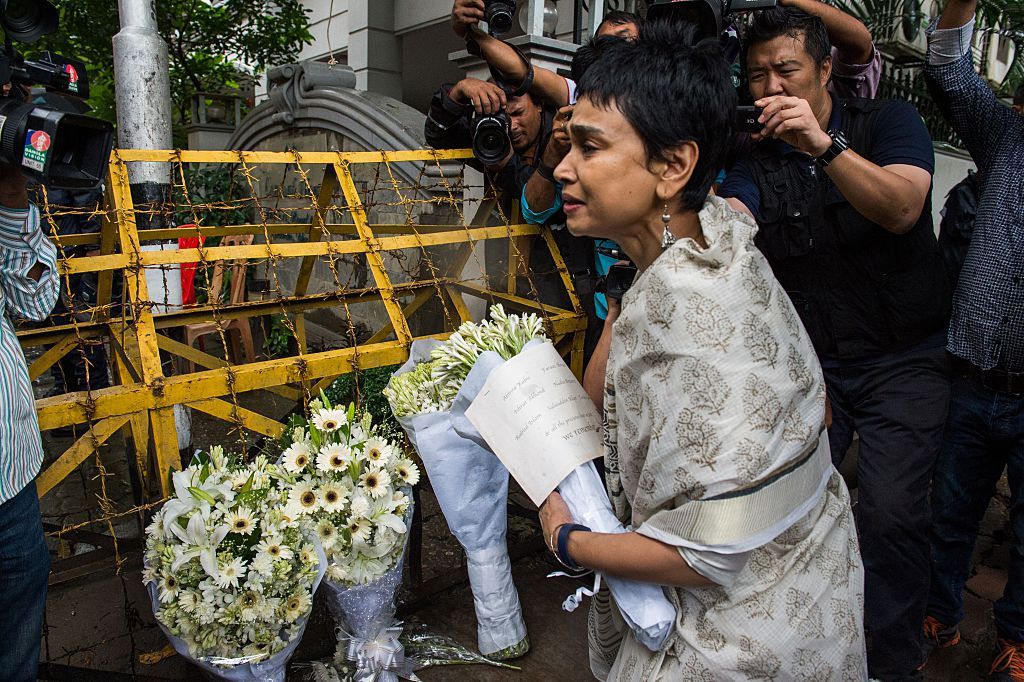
x: 296, y: 457
x: 168, y: 587
x: 275, y: 549
x: 296, y: 605
x: 240, y: 521
x: 328, y: 533
x: 334, y: 457
x: 229, y: 573
x: 377, y: 452
x: 329, y: 420
x: 307, y: 555
x: 407, y: 470
x: 360, y: 529
x: 333, y: 496
x: 304, y: 495
x: 375, y: 482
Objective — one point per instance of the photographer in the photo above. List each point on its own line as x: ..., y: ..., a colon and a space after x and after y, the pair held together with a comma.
x: 28, y: 288
x: 841, y: 190
x: 454, y: 110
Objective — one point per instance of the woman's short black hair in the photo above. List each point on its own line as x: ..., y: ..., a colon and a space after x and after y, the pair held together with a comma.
x: 769, y: 24
x: 588, y: 53
x: 671, y: 92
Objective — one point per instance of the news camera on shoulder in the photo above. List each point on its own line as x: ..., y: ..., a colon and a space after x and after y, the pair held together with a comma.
x: 47, y: 139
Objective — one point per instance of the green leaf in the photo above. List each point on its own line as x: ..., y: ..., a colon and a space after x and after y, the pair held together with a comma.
x: 201, y: 494
x: 248, y: 485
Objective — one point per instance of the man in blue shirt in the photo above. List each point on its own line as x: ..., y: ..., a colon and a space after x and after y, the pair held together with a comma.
x: 985, y: 432
x: 28, y: 288
x: 840, y: 189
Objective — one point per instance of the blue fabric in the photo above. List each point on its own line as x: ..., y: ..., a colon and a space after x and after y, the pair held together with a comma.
x: 601, y: 265
x: 897, y: 404
x: 24, y: 570
x: 541, y: 217
x: 984, y: 436
x: 899, y: 137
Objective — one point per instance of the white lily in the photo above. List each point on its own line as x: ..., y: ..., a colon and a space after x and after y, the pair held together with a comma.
x: 190, y: 494
x: 200, y: 543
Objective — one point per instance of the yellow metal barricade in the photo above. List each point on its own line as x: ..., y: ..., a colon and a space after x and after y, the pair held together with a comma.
x: 143, y: 399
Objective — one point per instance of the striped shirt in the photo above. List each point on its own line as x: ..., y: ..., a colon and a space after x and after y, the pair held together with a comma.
x: 22, y: 245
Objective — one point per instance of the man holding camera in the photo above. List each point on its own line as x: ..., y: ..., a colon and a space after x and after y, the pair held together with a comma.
x: 840, y: 189
x: 28, y: 288
x: 469, y: 114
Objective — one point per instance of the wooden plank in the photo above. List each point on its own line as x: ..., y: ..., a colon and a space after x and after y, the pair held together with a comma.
x: 52, y: 356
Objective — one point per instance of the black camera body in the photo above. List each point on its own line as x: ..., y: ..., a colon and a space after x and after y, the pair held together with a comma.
x: 498, y: 15
x: 50, y: 143
x: 492, y: 137
x: 710, y: 16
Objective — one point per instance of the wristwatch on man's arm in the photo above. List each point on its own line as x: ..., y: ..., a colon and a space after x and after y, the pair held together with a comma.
x: 838, y: 146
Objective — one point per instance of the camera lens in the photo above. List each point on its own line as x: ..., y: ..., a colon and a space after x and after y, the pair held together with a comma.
x: 491, y: 143
x: 500, y: 22
x: 28, y: 20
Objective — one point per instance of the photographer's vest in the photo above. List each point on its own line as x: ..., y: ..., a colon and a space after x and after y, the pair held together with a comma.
x: 861, y: 290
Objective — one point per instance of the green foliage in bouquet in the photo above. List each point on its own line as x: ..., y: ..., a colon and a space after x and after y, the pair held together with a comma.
x: 366, y: 389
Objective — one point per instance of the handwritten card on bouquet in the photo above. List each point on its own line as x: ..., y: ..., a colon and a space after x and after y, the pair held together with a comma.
x: 537, y: 419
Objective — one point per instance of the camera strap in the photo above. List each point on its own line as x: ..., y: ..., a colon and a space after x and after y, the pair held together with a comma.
x: 473, y: 47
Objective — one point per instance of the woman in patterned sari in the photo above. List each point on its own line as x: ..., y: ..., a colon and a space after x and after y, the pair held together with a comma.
x: 716, y: 455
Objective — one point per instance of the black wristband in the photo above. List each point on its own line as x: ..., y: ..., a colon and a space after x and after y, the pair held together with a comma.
x: 838, y: 146
x: 546, y: 172
x: 563, y: 545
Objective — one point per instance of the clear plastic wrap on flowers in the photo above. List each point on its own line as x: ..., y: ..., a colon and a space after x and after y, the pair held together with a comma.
x: 230, y: 577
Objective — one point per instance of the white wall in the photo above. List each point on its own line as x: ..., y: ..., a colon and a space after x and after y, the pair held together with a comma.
x: 950, y: 168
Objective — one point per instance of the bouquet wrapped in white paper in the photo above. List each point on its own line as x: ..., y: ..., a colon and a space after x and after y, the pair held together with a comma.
x: 471, y: 485
x: 352, y: 483
x: 230, y: 575
x: 541, y: 424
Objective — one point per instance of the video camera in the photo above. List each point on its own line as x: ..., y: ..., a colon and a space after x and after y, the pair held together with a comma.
x: 48, y: 142
x: 498, y: 15
x: 709, y: 16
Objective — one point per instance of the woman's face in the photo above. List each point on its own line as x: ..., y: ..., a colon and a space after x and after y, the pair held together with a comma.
x: 609, y: 188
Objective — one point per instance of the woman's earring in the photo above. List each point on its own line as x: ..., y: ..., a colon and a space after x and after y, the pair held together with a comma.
x: 667, y: 238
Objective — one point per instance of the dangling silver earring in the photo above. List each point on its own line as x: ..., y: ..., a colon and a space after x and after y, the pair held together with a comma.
x: 667, y: 238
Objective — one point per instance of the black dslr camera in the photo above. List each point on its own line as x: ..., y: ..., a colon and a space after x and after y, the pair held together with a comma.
x: 709, y: 16
x: 492, y: 137
x: 49, y: 143
x: 498, y: 15
x: 620, y: 276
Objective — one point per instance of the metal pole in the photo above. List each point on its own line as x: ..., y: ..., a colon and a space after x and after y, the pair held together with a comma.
x: 535, y: 14
x: 143, y: 92
x: 596, y: 16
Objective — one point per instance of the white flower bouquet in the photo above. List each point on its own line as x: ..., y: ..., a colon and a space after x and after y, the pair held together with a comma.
x: 230, y: 575
x: 351, y: 482
x: 470, y: 483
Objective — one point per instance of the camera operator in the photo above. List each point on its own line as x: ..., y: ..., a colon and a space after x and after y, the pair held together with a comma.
x: 532, y: 132
x: 841, y: 190
x: 28, y: 288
